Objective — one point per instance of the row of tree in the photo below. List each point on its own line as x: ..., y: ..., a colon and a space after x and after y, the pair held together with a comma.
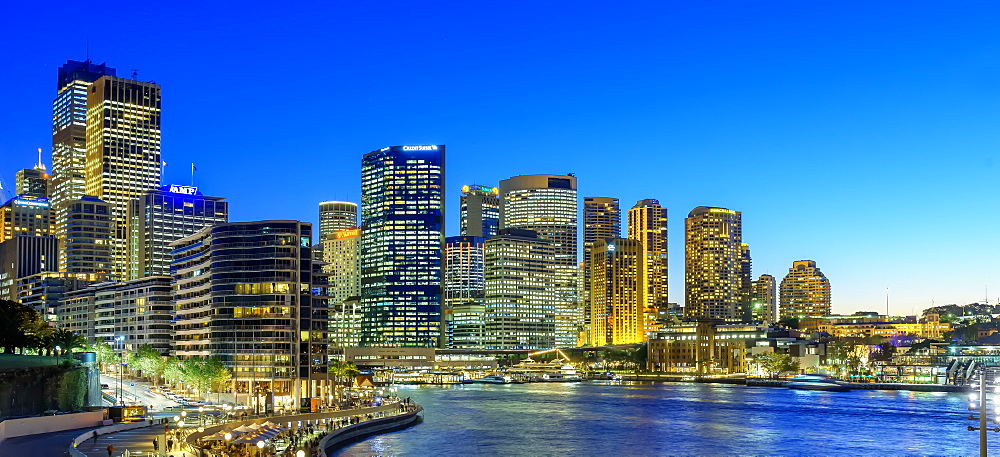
x: 204, y: 373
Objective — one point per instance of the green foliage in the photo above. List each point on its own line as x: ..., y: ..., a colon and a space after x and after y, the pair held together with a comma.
x: 204, y: 373
x: 774, y: 364
x: 105, y: 354
x: 173, y: 371
x: 20, y: 326
x: 66, y: 341
x: 72, y: 389
x: 789, y: 322
x: 149, y: 361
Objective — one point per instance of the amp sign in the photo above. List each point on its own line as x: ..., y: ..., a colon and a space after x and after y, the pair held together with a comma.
x: 183, y: 190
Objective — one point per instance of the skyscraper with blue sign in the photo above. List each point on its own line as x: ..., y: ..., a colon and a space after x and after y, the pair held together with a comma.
x: 163, y: 216
x: 402, y: 234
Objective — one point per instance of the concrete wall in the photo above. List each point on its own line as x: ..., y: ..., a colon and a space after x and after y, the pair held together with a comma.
x: 46, y: 424
x: 344, y: 435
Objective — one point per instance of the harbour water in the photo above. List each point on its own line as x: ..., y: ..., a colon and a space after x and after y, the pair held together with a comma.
x: 599, y: 419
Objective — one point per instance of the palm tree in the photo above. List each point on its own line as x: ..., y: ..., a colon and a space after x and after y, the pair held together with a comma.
x: 66, y: 341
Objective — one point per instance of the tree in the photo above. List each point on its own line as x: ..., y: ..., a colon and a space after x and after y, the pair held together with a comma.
x: 66, y: 341
x: 173, y: 371
x: 17, y: 325
x: 105, y: 354
x: 774, y: 364
x: 149, y: 361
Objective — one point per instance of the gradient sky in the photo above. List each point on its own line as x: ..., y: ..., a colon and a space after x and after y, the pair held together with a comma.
x: 861, y: 135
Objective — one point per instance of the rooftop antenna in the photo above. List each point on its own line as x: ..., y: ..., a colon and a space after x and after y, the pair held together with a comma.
x: 135, y: 74
x: 40, y: 165
x: 88, y: 51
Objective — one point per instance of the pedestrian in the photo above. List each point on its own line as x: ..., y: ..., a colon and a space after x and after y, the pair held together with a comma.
x: 111, y: 449
x: 156, y: 444
x: 95, y: 436
x: 170, y: 444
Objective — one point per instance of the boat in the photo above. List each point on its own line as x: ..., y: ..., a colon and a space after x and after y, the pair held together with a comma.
x: 606, y: 376
x: 493, y: 379
x: 530, y: 370
x: 818, y: 382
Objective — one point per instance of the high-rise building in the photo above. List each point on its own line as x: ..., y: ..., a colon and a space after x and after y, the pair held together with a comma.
x: 253, y: 308
x: 647, y: 222
x: 716, y: 261
x: 479, y: 214
x: 45, y: 291
x: 466, y: 325
x: 85, y: 236
x: 336, y: 217
x: 402, y: 236
x: 764, y: 303
x: 123, y: 150
x: 342, y: 265
x: 26, y: 215
x: 618, y: 292
x: 463, y: 270
x: 548, y: 206
x: 33, y: 181
x: 163, y: 216
x: 602, y: 219
x: 745, y: 279
x: 25, y: 255
x: 520, y: 291
x: 69, y: 131
x: 804, y: 292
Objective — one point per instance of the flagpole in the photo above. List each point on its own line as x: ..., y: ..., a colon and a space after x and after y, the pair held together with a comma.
x: 192, y: 175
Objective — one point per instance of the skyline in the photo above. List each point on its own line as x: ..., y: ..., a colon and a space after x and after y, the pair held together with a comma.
x: 895, y: 110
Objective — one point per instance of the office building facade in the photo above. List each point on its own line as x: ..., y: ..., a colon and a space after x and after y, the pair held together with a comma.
x: 22, y: 256
x: 479, y: 211
x: 26, y: 215
x: 33, y: 182
x: 520, y: 296
x: 463, y: 270
x: 123, y: 150
x: 716, y: 265
x: 602, y: 219
x: 647, y: 223
x: 804, y: 292
x: 163, y: 216
x: 139, y: 311
x: 548, y: 206
x: 69, y: 131
x: 618, y: 292
x: 402, y: 236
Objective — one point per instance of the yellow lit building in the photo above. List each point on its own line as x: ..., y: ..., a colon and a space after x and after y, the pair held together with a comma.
x: 804, y: 292
x: 602, y: 219
x: 123, y: 149
x: 618, y: 292
x: 764, y: 300
x: 647, y: 223
x: 717, y: 273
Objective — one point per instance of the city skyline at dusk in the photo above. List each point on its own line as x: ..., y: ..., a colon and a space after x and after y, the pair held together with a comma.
x: 857, y: 136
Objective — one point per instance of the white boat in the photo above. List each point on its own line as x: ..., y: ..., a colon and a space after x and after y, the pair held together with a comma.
x: 818, y: 382
x: 493, y: 379
x: 558, y: 370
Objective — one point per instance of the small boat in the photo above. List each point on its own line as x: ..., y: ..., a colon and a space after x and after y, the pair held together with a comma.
x: 818, y: 382
x: 558, y: 370
x: 606, y: 376
x: 492, y: 379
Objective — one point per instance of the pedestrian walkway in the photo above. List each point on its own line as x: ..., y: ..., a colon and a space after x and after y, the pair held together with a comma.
x: 138, y: 442
x: 42, y: 444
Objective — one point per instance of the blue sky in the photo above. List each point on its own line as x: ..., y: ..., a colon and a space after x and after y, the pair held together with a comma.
x: 862, y: 136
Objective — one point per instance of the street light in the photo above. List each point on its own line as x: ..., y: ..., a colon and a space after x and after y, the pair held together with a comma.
x: 120, y: 344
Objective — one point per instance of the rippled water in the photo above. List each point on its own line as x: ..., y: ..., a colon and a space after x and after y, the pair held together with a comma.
x: 584, y: 419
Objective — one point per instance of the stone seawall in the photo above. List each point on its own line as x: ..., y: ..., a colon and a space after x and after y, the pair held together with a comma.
x: 781, y: 383
x: 338, y: 438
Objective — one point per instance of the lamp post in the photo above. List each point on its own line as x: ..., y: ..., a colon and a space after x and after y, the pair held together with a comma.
x: 120, y: 344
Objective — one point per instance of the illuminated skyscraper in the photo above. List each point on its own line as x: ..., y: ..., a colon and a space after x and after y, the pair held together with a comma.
x: 336, y: 217
x: 547, y: 205
x: 342, y: 258
x: 716, y: 261
x: 602, y: 219
x: 804, y: 292
x: 69, y: 131
x: 480, y: 211
x: 243, y: 292
x: 33, y: 181
x: 22, y: 256
x: 86, y: 235
x: 402, y: 236
x: 764, y: 303
x: 618, y: 292
x: 163, y: 216
x: 123, y: 149
x: 647, y: 223
x: 520, y: 291
x: 463, y: 270
x: 26, y: 215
